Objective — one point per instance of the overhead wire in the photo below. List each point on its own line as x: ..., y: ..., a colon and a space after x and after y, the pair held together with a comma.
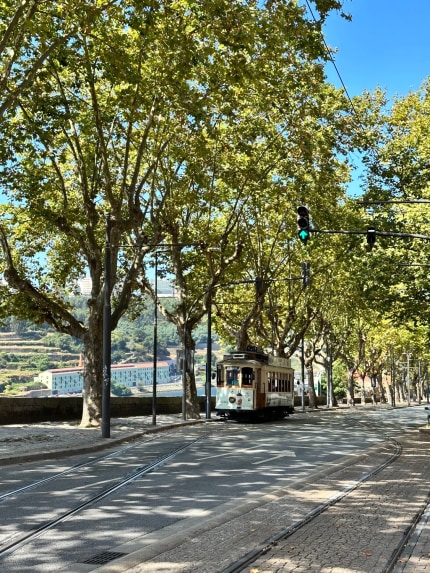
x: 332, y: 60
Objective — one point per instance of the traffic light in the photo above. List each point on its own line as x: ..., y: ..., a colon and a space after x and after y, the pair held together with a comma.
x: 303, y: 224
x: 306, y: 273
x: 371, y: 236
x: 259, y: 285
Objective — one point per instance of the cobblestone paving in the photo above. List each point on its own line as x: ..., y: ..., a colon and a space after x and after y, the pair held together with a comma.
x: 361, y: 532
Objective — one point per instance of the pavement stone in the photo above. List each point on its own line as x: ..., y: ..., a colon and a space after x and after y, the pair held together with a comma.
x: 357, y: 535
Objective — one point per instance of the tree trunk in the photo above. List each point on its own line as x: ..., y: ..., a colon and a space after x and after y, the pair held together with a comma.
x: 192, y: 407
x: 311, y: 389
x: 93, y: 372
x: 242, y: 338
x: 350, y: 389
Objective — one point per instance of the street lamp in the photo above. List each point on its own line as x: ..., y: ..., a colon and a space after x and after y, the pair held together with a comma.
x: 155, y: 343
x: 208, y: 386
x: 155, y: 335
x: 106, y: 386
x: 408, y: 380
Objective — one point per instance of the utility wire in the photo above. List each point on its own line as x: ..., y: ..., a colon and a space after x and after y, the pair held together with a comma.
x: 332, y: 60
x: 330, y: 55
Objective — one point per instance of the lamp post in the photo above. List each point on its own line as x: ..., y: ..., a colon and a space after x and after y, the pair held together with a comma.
x: 393, y: 383
x: 155, y: 335
x: 408, y: 381
x: 208, y: 387
x: 155, y: 342
x: 303, y: 373
x: 329, y: 377
x: 106, y: 386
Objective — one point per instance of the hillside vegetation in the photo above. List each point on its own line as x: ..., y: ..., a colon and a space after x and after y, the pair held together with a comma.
x: 26, y: 350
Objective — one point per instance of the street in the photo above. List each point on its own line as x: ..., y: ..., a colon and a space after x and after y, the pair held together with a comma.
x: 191, y: 481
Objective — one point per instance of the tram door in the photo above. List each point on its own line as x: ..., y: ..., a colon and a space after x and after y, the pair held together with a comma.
x: 261, y: 397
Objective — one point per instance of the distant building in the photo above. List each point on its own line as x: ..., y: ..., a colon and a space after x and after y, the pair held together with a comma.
x: 85, y: 285
x: 70, y: 380
x: 165, y: 287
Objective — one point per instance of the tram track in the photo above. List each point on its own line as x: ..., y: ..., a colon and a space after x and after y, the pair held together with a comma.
x: 10, y: 546
x: 248, y: 559
x: 397, y: 555
x: 334, y: 474
x: 68, y: 471
x: 402, y: 553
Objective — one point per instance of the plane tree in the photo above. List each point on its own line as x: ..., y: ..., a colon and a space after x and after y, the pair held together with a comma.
x: 126, y: 105
x: 31, y: 32
x: 260, y: 144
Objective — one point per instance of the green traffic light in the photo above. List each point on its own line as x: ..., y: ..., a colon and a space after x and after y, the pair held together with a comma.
x: 304, y: 235
x: 303, y: 223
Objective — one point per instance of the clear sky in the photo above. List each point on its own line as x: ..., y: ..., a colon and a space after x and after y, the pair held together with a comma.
x: 387, y: 44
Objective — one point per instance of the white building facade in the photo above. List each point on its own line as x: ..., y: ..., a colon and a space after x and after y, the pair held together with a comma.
x: 70, y: 380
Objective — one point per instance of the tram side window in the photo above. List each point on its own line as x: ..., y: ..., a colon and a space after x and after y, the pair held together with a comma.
x: 282, y: 384
x: 270, y: 382
x: 220, y: 375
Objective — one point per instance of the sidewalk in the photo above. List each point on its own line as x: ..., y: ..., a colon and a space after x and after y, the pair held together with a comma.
x: 20, y: 443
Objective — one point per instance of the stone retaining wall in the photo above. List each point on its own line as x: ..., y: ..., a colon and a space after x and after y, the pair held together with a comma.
x: 21, y: 410
x: 30, y: 410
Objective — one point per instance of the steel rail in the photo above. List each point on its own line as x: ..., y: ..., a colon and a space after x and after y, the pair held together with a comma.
x: 23, y: 540
x: 267, y: 545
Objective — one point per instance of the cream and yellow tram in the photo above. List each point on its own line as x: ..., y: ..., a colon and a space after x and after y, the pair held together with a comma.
x: 252, y: 384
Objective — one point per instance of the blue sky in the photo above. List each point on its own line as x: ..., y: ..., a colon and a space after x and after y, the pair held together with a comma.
x: 387, y: 44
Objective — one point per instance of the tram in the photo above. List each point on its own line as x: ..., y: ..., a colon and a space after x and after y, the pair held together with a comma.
x: 254, y: 385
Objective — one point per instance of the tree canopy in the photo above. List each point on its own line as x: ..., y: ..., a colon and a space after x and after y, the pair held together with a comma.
x: 199, y: 128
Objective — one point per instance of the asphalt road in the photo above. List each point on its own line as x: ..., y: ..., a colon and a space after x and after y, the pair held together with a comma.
x: 221, y: 469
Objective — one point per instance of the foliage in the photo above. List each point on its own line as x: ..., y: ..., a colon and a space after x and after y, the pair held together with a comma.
x: 120, y: 390
x: 193, y: 124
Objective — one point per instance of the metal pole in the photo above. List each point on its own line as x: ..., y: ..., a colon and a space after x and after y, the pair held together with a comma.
x: 154, y: 366
x: 329, y: 379
x: 209, y: 362
x: 106, y: 387
x: 184, y: 375
x: 303, y: 373
x: 419, y: 386
x: 408, y: 379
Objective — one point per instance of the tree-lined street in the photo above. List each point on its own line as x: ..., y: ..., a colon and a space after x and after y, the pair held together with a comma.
x: 197, y: 129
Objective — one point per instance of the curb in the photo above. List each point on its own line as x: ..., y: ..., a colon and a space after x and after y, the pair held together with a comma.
x: 99, y: 446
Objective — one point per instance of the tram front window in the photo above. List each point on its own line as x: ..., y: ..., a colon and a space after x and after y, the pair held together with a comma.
x: 247, y: 376
x: 232, y: 377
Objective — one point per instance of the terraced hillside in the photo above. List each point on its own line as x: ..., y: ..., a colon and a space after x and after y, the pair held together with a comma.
x: 22, y: 357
